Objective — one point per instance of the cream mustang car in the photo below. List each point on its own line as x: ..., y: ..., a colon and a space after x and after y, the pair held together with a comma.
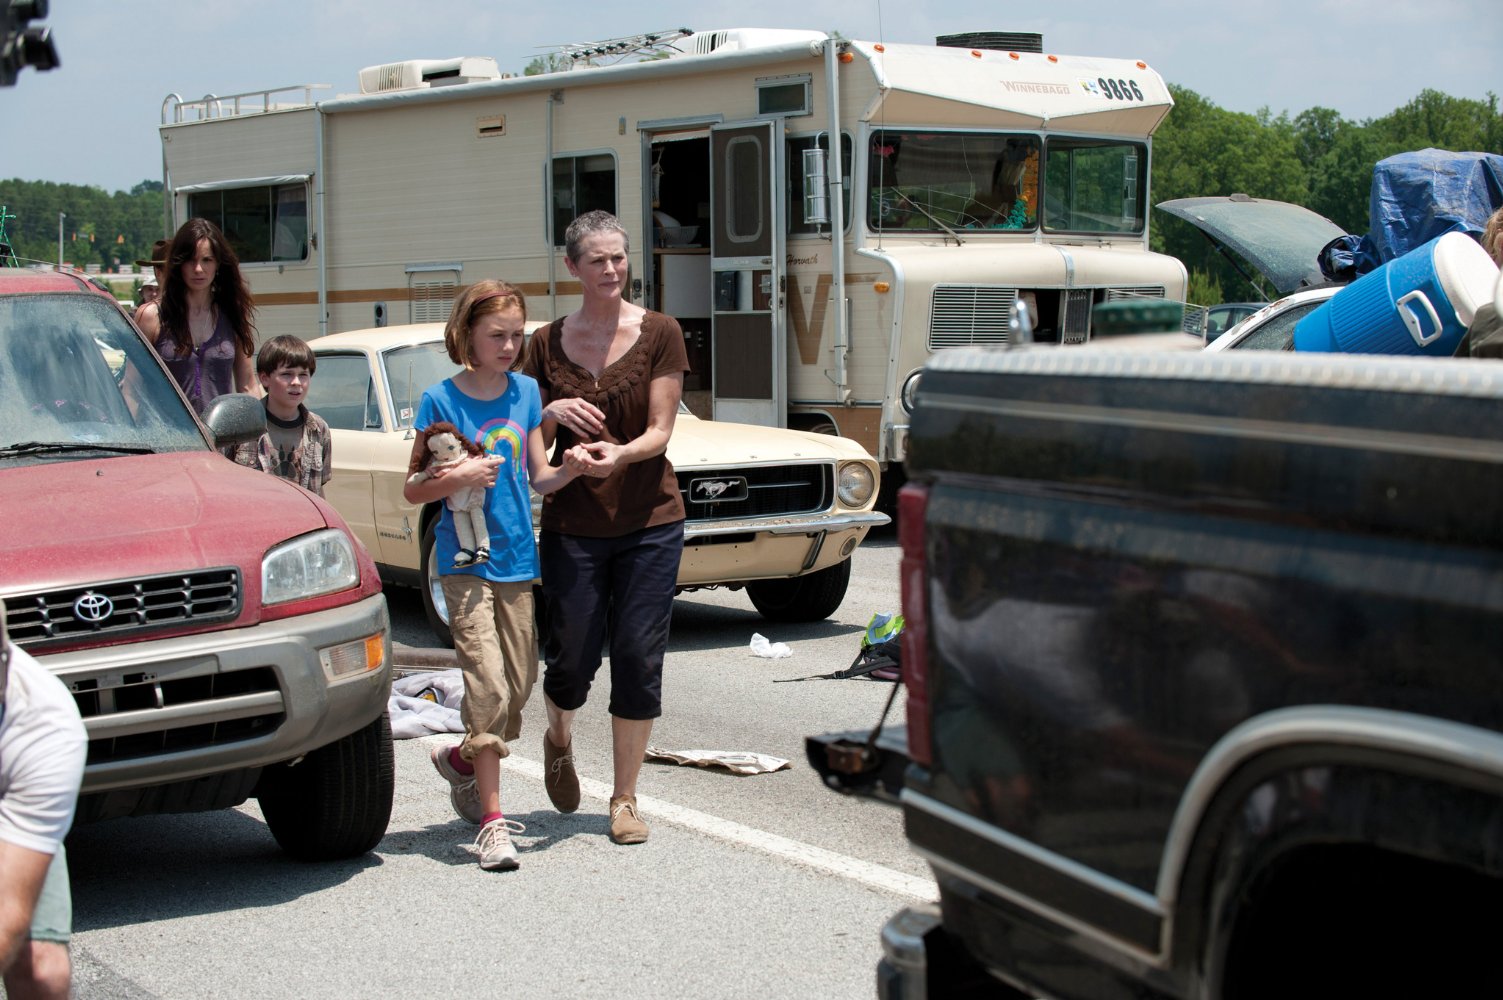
x: 778, y: 512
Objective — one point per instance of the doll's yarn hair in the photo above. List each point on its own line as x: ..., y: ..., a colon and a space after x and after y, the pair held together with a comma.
x: 425, y: 457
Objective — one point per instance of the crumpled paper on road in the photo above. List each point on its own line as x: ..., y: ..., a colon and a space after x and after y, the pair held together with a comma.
x: 426, y: 703
x: 772, y: 650
x: 735, y: 761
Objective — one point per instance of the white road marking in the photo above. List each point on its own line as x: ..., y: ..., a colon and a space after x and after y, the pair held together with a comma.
x: 864, y: 872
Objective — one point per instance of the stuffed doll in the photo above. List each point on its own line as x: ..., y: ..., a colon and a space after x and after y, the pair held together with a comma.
x: 444, y: 447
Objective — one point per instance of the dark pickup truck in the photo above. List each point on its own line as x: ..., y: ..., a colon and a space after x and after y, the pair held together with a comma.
x: 1204, y: 670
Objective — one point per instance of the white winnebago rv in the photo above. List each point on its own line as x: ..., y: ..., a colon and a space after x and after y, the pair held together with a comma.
x: 812, y: 278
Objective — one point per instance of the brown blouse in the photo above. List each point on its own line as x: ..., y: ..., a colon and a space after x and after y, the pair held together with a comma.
x: 640, y: 495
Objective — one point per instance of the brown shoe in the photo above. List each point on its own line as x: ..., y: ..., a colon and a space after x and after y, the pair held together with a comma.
x: 559, y: 776
x: 626, y: 825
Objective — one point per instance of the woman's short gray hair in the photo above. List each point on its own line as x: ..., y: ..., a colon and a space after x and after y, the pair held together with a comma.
x: 593, y: 224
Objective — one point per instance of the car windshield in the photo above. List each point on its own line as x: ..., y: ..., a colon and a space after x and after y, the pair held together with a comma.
x: 410, y: 370
x: 999, y: 181
x: 77, y: 379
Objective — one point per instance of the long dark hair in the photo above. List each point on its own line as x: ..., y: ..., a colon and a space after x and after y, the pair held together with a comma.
x: 229, y: 292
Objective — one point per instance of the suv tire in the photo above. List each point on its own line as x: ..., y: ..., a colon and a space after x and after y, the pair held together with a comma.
x: 335, y: 802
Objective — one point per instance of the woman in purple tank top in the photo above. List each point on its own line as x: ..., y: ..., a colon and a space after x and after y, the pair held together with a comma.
x: 202, y: 323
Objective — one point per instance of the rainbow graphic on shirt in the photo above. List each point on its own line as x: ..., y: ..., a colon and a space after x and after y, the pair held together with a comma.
x: 507, y: 439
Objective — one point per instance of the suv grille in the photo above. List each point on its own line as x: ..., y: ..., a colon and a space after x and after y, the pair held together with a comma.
x: 718, y: 494
x: 199, y: 690
x: 124, y: 608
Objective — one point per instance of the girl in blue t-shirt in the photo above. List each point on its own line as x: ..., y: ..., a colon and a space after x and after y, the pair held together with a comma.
x: 490, y: 601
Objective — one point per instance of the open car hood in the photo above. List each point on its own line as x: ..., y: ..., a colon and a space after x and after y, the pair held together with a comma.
x: 1279, y: 239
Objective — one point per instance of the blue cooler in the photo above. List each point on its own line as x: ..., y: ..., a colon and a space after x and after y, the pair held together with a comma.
x: 1420, y: 303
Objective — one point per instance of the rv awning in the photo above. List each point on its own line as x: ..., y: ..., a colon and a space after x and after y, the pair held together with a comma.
x: 991, y: 89
x: 244, y: 182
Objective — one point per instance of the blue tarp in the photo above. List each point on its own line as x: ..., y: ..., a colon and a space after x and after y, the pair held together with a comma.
x: 1424, y: 194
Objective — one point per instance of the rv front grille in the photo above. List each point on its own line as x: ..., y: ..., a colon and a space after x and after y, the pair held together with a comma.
x: 1077, y: 318
x: 969, y: 315
x: 1135, y: 292
x: 120, y: 609
x: 765, y: 491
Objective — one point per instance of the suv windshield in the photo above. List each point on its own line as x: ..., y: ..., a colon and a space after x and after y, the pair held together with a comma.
x: 993, y: 181
x: 75, y: 376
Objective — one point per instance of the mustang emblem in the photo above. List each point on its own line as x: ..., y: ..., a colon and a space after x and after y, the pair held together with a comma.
x: 717, y: 490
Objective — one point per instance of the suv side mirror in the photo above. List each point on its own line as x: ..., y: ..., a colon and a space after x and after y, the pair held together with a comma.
x: 235, y: 418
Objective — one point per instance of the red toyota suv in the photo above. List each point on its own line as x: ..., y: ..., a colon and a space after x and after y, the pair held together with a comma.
x: 222, y: 630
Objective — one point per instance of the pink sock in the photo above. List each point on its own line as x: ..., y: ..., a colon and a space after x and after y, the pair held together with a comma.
x: 460, y: 764
x: 491, y: 818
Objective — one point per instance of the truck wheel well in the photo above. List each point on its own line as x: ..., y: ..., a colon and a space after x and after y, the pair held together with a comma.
x: 1356, y: 920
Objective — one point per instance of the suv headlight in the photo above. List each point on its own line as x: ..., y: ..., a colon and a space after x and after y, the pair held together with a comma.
x: 320, y: 563
x: 855, y: 483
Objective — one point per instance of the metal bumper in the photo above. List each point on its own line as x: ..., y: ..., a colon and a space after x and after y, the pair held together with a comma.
x: 793, y: 524
x: 309, y: 708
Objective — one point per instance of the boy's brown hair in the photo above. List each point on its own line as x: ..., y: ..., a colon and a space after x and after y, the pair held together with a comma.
x: 285, y: 352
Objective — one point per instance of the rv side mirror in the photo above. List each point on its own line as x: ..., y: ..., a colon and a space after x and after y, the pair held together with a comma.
x: 816, y: 188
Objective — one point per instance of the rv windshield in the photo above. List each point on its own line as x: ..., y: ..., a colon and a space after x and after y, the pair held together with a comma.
x: 992, y: 181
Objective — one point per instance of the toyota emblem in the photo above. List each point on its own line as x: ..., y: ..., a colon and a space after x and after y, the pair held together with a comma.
x: 92, y: 607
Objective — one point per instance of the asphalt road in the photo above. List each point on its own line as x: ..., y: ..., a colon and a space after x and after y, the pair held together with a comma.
x: 766, y: 886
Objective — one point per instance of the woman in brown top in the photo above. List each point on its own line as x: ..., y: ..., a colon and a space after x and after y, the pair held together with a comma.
x: 610, y: 375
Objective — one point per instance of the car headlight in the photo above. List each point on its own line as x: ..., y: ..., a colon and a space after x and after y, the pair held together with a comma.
x: 320, y: 563
x: 910, y: 389
x: 855, y: 483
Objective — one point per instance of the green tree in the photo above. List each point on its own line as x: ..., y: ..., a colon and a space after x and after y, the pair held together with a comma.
x: 1202, y: 149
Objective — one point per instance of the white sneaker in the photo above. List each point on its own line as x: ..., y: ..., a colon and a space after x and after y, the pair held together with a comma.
x: 494, y: 846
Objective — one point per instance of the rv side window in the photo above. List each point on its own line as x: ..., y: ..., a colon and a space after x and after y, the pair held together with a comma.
x: 1094, y: 185
x: 265, y: 223
x: 784, y: 96
x: 795, y: 186
x: 581, y: 184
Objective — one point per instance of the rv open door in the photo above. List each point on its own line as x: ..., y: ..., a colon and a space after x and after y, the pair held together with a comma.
x: 747, y: 266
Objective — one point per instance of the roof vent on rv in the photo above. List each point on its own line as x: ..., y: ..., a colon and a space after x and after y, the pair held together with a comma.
x: 1000, y: 41
x: 702, y: 43
x: 416, y: 74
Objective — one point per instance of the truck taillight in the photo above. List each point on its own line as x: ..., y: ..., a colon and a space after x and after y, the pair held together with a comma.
x: 913, y: 501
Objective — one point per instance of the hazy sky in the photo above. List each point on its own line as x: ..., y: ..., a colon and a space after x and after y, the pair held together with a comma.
x: 93, y: 120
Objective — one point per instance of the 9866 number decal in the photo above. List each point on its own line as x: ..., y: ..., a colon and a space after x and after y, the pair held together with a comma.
x: 1113, y: 89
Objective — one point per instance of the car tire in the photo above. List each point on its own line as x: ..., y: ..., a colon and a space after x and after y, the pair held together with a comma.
x: 809, y: 598
x: 335, y: 802
x: 434, y: 607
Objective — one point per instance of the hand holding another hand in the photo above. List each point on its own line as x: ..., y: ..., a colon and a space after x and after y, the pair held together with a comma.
x: 596, y: 458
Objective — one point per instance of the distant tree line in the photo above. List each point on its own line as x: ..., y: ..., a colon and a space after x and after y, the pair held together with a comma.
x: 110, y: 230
x: 1317, y: 159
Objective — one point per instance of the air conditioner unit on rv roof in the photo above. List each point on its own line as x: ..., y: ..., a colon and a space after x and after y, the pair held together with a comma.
x: 415, y: 74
